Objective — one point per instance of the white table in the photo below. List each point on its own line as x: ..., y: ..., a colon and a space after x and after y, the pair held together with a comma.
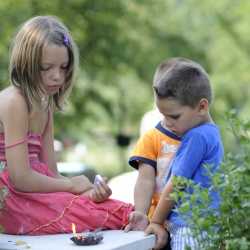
x: 113, y: 240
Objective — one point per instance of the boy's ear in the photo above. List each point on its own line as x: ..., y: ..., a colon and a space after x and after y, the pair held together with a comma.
x: 203, y: 106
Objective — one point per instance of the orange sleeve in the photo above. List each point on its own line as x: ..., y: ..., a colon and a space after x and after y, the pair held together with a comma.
x: 145, y: 150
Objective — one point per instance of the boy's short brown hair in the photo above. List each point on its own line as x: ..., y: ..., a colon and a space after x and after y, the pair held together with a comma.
x: 182, y: 79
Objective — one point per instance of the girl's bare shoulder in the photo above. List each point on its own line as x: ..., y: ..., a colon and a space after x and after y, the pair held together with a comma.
x: 12, y: 101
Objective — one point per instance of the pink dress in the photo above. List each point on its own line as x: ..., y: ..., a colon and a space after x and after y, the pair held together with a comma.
x: 52, y: 213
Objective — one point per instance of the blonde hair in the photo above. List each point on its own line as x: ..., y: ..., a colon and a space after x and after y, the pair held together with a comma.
x: 26, y: 56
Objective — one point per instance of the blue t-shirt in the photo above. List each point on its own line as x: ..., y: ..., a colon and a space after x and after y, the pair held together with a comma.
x: 200, y: 146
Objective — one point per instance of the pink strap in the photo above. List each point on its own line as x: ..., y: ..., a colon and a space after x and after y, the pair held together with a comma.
x: 24, y: 140
x: 15, y: 144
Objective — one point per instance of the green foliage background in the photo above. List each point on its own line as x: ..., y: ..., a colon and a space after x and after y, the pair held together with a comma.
x: 121, y: 43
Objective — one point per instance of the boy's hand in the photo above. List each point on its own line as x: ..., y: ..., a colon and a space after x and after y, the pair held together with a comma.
x: 100, y: 192
x: 137, y: 221
x: 160, y: 233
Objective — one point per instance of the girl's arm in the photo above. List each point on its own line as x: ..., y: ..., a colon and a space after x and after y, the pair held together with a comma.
x: 80, y: 183
x: 47, y: 154
x: 15, y: 121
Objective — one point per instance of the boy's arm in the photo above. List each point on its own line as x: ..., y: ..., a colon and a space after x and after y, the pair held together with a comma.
x: 144, y: 159
x: 165, y: 204
x: 143, y: 193
x: 161, y: 212
x: 144, y: 188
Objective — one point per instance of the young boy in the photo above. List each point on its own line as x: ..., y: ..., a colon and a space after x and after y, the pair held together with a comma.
x: 183, y: 95
x: 152, y: 156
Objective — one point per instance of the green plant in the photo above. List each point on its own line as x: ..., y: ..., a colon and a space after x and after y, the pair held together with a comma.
x: 229, y: 229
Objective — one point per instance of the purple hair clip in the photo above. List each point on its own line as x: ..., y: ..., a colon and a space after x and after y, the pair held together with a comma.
x: 65, y: 40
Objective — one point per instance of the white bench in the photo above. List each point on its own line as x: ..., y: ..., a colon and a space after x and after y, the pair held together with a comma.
x: 112, y: 240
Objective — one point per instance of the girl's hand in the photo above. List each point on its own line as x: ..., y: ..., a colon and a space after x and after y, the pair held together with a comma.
x: 137, y: 221
x: 80, y: 184
x: 160, y: 233
x: 100, y: 192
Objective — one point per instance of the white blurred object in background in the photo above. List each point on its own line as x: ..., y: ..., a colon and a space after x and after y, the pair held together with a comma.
x: 58, y: 146
x: 71, y: 168
x: 150, y: 120
x: 123, y: 186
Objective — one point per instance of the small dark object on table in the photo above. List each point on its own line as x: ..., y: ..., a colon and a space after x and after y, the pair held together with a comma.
x: 87, y: 239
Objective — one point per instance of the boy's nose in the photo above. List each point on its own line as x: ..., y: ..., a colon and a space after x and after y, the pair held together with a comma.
x: 169, y: 124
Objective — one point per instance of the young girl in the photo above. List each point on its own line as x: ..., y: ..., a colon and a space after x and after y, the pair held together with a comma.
x: 36, y: 198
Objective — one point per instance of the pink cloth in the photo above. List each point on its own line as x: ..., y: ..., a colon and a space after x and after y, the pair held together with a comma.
x: 51, y: 213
